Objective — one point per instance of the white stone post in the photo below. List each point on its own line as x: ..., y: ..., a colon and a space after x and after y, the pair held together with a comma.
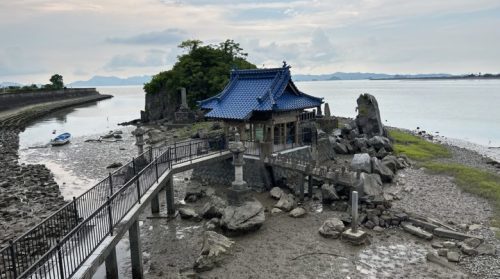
x: 354, y: 224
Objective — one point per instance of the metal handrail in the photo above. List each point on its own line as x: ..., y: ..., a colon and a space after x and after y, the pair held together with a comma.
x: 142, y: 181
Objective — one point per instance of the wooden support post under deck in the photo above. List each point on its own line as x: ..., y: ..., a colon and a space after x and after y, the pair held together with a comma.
x: 169, y: 191
x: 134, y: 234
x: 111, y: 265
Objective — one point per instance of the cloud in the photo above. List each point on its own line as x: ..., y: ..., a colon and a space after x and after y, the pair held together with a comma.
x: 152, y: 58
x: 18, y: 61
x: 165, y: 37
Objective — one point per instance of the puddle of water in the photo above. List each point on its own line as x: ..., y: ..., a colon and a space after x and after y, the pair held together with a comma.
x: 387, y: 260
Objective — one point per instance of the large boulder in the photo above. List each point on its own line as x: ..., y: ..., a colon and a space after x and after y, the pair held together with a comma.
x: 332, y: 228
x: 247, y: 217
x: 368, y: 118
x: 214, y: 247
x: 380, y: 142
x: 276, y: 193
x: 369, y: 184
x: 361, y: 162
x: 391, y: 162
x: 286, y: 203
x: 385, y: 173
x: 360, y: 144
x: 297, y: 212
x: 340, y: 148
x: 194, y: 192
x: 213, y: 208
x: 328, y: 193
x: 187, y: 213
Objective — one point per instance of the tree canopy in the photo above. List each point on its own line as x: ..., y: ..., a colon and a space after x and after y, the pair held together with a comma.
x: 56, y: 81
x: 203, y: 70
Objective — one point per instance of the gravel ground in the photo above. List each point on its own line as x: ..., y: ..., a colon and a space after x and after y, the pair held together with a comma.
x: 437, y: 196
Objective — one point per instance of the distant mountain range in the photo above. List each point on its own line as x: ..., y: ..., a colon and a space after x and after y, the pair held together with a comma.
x: 140, y: 80
x: 7, y: 84
x: 358, y: 76
x: 111, y: 81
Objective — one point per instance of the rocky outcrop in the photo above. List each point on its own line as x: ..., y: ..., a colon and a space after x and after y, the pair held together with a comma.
x: 161, y: 105
x: 368, y: 118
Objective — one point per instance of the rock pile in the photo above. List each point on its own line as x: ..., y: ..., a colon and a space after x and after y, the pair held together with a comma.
x: 28, y: 193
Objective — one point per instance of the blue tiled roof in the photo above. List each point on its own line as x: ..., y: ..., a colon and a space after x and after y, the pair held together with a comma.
x: 258, y: 90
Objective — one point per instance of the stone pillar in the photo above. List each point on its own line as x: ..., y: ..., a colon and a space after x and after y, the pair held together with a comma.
x: 327, y: 110
x: 184, y: 104
x: 169, y: 192
x: 319, y: 111
x: 136, y: 250
x: 155, y: 204
x: 239, y: 190
x: 111, y: 265
x: 139, y: 140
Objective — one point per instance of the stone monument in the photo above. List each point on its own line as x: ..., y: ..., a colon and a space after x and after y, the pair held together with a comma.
x: 184, y: 115
x: 239, y: 190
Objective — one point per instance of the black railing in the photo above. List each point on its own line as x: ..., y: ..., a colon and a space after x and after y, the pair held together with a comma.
x: 82, y: 224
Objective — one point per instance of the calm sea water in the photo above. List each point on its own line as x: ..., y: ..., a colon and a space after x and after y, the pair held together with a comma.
x: 88, y: 119
x: 462, y: 109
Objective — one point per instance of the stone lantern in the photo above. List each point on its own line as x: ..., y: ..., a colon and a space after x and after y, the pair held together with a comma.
x: 238, y: 192
x: 139, y: 139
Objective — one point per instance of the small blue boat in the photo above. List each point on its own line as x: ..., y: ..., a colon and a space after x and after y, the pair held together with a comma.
x: 62, y: 139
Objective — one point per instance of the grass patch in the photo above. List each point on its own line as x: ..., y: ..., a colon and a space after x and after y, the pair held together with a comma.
x: 472, y: 180
x: 481, y: 183
x: 417, y: 148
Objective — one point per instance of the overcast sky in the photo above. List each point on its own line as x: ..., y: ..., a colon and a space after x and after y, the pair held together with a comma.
x: 83, y: 38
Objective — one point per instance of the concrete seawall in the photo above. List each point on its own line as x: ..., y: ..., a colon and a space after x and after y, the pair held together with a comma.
x: 13, y: 100
x: 18, y: 118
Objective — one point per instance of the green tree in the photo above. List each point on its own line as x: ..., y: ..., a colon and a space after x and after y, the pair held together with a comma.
x: 57, y: 81
x: 203, y: 70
